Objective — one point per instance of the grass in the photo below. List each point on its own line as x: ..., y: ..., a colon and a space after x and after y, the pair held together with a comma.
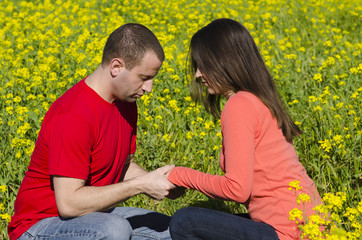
x: 312, y: 49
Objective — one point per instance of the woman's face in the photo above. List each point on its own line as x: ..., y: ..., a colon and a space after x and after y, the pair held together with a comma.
x: 210, y: 89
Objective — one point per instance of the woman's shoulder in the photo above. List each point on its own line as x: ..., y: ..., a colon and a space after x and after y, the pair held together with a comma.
x: 245, y: 102
x: 244, y: 98
x: 239, y: 103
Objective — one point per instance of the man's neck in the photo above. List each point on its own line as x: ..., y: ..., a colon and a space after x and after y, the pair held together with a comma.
x: 99, y: 82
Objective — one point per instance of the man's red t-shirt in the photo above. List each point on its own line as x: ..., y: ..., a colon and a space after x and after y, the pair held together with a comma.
x: 82, y: 136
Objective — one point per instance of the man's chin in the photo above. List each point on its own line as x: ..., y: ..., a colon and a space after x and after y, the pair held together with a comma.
x: 129, y: 99
x: 134, y: 98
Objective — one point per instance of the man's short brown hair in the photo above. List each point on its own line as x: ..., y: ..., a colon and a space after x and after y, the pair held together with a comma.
x: 131, y: 42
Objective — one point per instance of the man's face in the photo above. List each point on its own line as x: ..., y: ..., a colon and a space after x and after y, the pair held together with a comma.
x: 132, y: 84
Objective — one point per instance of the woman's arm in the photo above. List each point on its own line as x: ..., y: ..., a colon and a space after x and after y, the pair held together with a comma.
x: 238, y: 123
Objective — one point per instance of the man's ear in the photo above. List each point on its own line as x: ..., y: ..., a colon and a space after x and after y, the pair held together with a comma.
x: 116, y: 65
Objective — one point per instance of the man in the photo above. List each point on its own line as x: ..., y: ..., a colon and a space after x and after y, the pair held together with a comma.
x: 83, y: 165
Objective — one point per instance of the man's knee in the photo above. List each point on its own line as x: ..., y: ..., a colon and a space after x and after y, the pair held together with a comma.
x: 115, y: 227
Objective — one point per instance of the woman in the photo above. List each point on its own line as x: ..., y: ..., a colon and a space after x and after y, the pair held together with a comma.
x: 257, y: 154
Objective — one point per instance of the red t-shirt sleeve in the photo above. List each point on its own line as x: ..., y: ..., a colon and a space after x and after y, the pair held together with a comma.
x: 238, y: 124
x: 70, y: 145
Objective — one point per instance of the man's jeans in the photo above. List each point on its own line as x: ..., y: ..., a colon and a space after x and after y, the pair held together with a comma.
x: 199, y: 223
x: 118, y: 223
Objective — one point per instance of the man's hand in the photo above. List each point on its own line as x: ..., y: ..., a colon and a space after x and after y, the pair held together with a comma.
x: 155, y: 183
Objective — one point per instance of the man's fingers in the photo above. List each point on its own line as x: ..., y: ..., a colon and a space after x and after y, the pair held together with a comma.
x: 165, y: 169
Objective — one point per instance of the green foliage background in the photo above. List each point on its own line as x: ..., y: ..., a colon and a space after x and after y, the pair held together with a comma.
x: 311, y: 47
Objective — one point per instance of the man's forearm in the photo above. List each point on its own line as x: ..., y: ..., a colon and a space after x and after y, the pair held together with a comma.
x: 75, y: 199
x: 88, y: 199
x: 132, y: 169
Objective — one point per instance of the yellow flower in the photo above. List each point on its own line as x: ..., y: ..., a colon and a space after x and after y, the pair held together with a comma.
x: 359, y: 207
x: 335, y: 201
x: 311, y: 230
x: 202, y: 134
x: 342, y: 83
x: 209, y: 125
x: 312, y: 99
x: 145, y: 99
x: 173, y: 104
x: 3, y: 188
x: 327, y: 44
x: 331, y: 61
x: 335, y: 217
x: 9, y: 110
x: 295, y: 185
x: 338, y: 139
x: 189, y: 135
x: 303, y: 198
x: 337, y: 234
x: 22, y: 130
x: 291, y: 56
x: 318, y: 77
x: 317, y: 108
x: 188, y: 99
x: 315, y: 218
x: 5, y: 217
x: 355, y: 95
x: 166, y: 137
x: 326, y: 145
x: 295, y: 215
x: 301, y: 49
x: 321, y: 208
x: 351, y: 213
x: 215, y: 148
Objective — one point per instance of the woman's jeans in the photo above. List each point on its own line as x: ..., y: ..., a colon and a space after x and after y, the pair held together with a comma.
x: 118, y: 223
x: 200, y: 223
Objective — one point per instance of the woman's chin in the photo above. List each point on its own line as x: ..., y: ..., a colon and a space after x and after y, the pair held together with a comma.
x: 212, y: 91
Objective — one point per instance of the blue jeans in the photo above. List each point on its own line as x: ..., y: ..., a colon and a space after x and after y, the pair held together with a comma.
x: 118, y: 223
x: 199, y: 223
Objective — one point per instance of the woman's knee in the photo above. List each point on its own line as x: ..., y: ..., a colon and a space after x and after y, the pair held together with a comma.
x: 182, y: 219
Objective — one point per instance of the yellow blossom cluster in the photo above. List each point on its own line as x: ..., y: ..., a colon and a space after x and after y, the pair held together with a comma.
x: 329, y: 219
x: 4, y: 216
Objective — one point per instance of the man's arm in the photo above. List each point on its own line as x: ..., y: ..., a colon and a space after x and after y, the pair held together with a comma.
x: 131, y: 169
x: 75, y: 199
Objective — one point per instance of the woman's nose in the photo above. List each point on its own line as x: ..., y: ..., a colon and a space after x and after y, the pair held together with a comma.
x: 198, y: 74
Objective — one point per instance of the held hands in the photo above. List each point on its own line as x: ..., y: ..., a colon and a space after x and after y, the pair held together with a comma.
x: 175, y: 192
x: 156, y: 184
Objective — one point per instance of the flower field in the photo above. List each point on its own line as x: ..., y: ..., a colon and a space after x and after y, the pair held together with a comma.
x: 311, y: 47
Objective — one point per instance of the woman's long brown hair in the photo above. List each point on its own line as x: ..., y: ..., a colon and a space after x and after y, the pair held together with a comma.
x: 228, y: 58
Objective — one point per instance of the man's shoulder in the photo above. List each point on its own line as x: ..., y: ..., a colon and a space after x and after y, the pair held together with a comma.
x: 72, y: 96
x: 74, y: 102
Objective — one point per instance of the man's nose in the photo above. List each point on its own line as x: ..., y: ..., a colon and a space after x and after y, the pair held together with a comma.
x: 147, y: 85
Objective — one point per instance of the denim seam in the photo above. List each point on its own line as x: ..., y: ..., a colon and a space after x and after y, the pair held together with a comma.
x: 146, y: 235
